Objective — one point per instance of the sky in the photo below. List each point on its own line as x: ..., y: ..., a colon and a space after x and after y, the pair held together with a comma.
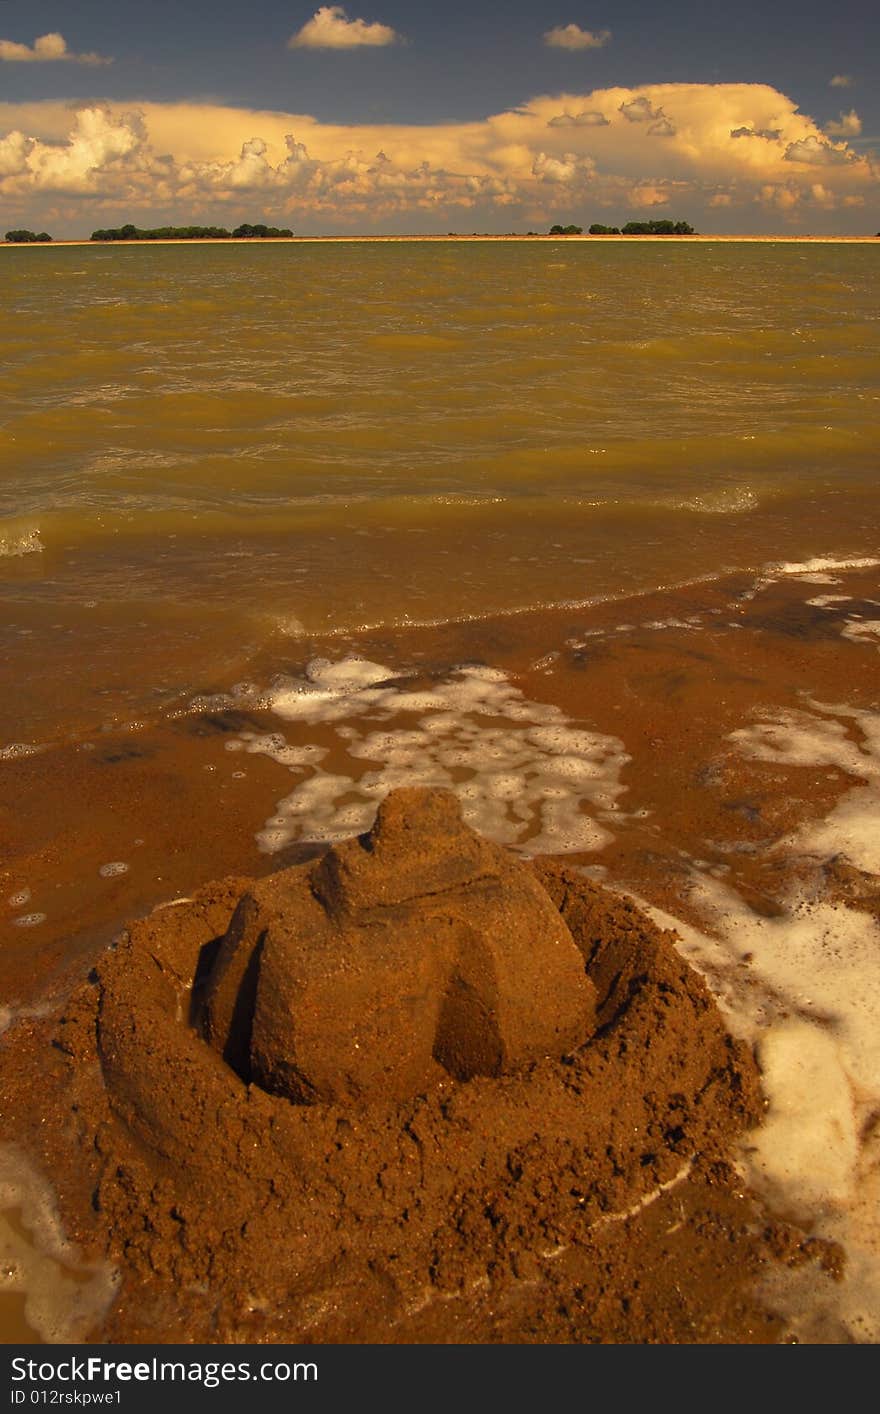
x: 384, y: 117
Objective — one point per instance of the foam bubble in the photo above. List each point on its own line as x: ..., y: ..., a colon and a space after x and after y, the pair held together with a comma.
x: 18, y: 749
x: 18, y: 900
x: 109, y: 871
x: 29, y: 920
x: 64, y: 1297
x: 526, y: 776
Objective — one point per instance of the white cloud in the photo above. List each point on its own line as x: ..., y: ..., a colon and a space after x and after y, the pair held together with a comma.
x: 848, y: 125
x: 816, y: 152
x: 567, y: 169
x: 97, y: 145
x: 579, y: 120
x: 14, y: 150
x: 330, y: 28
x: 46, y: 49
x: 573, y: 37
x: 841, y: 81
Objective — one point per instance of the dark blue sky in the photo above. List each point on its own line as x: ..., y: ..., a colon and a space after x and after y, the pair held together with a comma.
x: 462, y: 60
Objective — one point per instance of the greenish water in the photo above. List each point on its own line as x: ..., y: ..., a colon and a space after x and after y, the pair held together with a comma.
x: 204, y: 448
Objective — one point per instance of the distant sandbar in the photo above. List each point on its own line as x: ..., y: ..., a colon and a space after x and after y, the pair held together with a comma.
x: 358, y: 240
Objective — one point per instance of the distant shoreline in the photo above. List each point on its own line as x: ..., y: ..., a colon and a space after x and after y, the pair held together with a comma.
x: 362, y: 240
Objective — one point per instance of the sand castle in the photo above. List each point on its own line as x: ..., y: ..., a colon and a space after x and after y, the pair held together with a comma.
x: 376, y: 1095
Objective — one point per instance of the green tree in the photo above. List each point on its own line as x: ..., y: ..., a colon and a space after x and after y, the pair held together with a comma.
x: 27, y: 237
x: 262, y: 232
x: 658, y: 228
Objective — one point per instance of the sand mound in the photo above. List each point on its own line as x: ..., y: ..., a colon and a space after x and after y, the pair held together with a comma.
x: 411, y: 1070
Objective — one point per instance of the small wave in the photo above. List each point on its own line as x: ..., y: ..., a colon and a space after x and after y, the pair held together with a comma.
x: 21, y: 542
x: 732, y: 501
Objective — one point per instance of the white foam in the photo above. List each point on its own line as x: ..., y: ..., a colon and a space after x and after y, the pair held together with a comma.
x: 803, y: 988
x: 822, y: 564
x: 29, y: 920
x: 806, y: 1152
x: 526, y: 776
x: 808, y: 1001
x: 852, y: 828
x: 111, y: 870
x: 860, y: 630
x: 18, y: 900
x: 64, y: 1297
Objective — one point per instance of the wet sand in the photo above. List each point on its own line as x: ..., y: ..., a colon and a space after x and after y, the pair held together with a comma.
x: 703, y: 818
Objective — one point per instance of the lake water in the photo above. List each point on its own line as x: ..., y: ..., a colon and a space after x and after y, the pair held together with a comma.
x: 208, y: 449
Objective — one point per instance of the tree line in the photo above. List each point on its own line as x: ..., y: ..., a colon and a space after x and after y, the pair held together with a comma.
x: 27, y: 237
x: 188, y: 233
x: 632, y: 228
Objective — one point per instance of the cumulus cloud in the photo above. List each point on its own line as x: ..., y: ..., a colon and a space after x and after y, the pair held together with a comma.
x: 779, y: 198
x: 770, y: 134
x: 573, y: 37
x: 847, y: 125
x: 817, y: 153
x: 647, y: 194
x: 793, y: 199
x: 330, y: 28
x: 579, y: 120
x: 46, y: 49
x: 213, y: 164
x: 639, y: 110
x: 94, y: 153
x: 566, y: 169
x: 841, y: 81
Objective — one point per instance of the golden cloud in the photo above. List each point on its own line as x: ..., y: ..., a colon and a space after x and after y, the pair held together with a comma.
x: 46, y: 49
x: 745, y: 143
x: 330, y: 28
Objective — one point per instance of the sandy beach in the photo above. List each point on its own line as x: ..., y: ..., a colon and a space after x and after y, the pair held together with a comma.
x: 582, y: 543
